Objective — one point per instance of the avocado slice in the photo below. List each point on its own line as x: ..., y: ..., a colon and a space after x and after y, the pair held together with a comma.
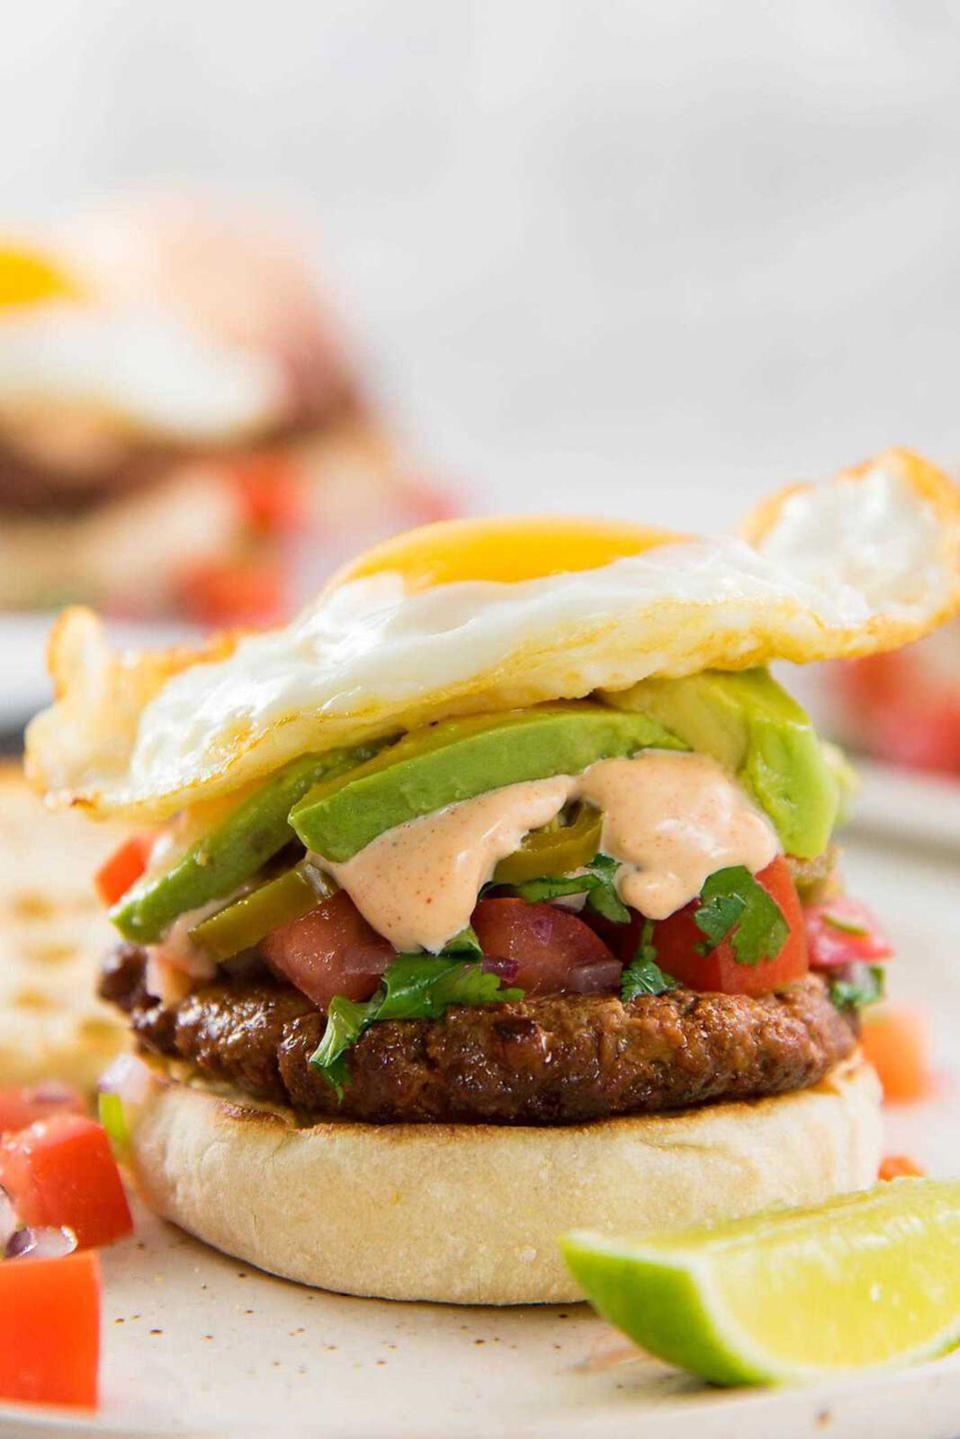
x: 748, y: 722
x: 461, y: 758
x: 233, y: 851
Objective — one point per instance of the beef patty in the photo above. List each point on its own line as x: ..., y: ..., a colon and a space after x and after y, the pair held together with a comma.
x: 562, y: 1059
x: 30, y: 486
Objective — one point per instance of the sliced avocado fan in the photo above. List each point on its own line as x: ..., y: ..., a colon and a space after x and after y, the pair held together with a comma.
x: 337, y: 803
x: 459, y: 759
x: 232, y: 852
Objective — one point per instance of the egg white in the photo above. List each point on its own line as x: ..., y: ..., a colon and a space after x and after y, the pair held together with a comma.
x: 143, y: 736
x: 143, y: 368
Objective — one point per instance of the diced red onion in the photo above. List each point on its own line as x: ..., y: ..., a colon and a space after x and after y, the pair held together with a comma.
x: 8, y: 1219
x: 601, y: 977
x: 843, y: 931
x: 42, y: 1243
x: 129, y: 1077
x: 573, y: 902
x: 166, y: 981
x: 51, y: 1091
x: 507, y: 969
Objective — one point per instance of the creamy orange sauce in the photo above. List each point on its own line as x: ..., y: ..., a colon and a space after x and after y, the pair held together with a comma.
x: 418, y: 883
x: 671, y: 819
x: 175, y: 965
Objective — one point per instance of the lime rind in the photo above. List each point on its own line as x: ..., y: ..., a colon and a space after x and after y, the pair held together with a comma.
x: 661, y: 1306
x: 675, y: 1294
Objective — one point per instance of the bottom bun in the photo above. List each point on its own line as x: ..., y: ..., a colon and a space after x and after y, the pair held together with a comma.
x: 469, y: 1214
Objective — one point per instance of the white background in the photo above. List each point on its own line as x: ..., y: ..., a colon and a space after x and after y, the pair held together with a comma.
x: 644, y: 257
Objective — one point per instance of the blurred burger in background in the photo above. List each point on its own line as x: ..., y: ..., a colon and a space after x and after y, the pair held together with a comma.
x: 183, y: 432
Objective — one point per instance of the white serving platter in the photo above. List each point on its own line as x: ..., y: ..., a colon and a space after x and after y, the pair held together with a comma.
x: 195, y: 1343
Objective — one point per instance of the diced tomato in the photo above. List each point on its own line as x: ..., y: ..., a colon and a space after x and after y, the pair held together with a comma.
x: 843, y: 931
x: 123, y: 868
x: 678, y: 941
x: 332, y: 950
x: 899, y: 1166
x: 896, y: 1041
x: 269, y: 491
x: 50, y: 1330
x: 61, y: 1171
x: 554, y: 951
x: 902, y: 713
x: 21, y: 1107
x: 876, y: 681
x: 249, y: 592
x: 919, y: 733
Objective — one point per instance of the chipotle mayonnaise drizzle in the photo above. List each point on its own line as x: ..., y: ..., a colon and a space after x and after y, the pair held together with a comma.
x: 417, y: 884
x: 671, y: 819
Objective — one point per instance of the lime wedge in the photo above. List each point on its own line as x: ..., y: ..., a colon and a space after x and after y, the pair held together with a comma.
x: 868, y: 1280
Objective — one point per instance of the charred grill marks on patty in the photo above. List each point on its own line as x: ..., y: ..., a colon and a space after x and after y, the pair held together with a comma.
x: 557, y: 1060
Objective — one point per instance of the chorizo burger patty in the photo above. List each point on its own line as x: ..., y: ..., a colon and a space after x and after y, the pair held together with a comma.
x: 562, y: 1059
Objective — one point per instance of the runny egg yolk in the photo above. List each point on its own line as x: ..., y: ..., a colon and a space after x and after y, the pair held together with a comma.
x: 28, y: 277
x: 507, y: 550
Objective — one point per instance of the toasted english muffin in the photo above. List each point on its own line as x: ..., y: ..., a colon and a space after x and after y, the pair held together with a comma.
x: 53, y: 932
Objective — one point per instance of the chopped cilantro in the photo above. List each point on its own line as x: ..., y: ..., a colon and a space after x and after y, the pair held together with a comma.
x: 643, y: 975
x: 597, y: 882
x: 423, y: 986
x: 466, y: 942
x: 717, y: 918
x: 646, y: 949
x: 346, y: 1021
x: 415, y: 986
x: 866, y: 988
x: 535, y: 891
x: 734, y: 906
x: 603, y: 895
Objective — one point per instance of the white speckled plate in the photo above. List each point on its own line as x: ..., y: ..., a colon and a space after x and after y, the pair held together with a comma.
x: 198, y: 1344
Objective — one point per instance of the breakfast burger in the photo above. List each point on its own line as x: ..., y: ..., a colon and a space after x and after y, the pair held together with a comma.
x: 182, y: 428
x: 497, y: 894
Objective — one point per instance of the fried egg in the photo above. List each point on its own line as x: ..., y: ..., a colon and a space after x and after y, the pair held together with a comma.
x: 478, y: 616
x: 66, y: 350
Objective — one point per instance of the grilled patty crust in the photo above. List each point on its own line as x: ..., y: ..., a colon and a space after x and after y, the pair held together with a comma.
x: 561, y: 1059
